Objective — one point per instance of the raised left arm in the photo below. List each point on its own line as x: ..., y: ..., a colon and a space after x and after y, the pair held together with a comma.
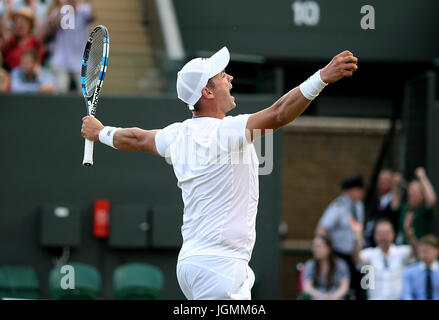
x: 429, y: 193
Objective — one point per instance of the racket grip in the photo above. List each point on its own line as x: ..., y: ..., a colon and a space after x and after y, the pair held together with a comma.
x: 88, y: 153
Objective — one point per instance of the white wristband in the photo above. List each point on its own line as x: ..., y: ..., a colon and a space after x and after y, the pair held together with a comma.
x: 106, y: 136
x: 312, y: 86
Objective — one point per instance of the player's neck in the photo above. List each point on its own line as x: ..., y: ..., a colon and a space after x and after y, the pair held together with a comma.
x: 209, y: 111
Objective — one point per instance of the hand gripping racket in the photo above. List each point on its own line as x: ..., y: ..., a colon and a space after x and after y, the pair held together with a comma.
x: 94, y: 66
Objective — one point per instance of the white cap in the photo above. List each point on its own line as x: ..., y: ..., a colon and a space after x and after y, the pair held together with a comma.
x: 195, y: 74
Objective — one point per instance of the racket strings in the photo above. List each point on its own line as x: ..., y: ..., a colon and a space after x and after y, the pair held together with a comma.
x: 94, y: 62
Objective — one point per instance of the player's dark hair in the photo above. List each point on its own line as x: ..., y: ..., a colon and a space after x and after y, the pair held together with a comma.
x: 331, y: 260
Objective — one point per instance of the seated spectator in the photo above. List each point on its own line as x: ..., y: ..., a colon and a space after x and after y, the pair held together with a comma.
x: 69, y: 43
x: 4, y: 77
x: 326, y: 276
x: 21, y: 38
x: 381, y: 206
x: 30, y: 76
x: 421, y: 280
x: 388, y: 260
x: 418, y: 212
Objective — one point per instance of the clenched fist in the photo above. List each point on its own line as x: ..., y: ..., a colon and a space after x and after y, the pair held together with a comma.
x: 420, y: 172
x: 342, y: 65
x: 91, y: 128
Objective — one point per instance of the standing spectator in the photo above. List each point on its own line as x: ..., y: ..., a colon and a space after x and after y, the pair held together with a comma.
x: 421, y: 280
x: 381, y: 206
x: 326, y: 276
x: 69, y: 43
x: 30, y: 76
x: 418, y: 212
x: 388, y: 260
x: 336, y: 224
x: 21, y: 38
x: 4, y: 76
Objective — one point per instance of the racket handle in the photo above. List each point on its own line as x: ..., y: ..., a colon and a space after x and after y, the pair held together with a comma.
x: 88, y: 153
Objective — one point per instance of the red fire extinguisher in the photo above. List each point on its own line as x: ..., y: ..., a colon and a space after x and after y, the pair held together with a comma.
x: 101, y: 221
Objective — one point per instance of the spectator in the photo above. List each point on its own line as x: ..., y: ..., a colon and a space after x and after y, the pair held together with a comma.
x: 49, y: 35
x: 336, y: 224
x: 4, y: 77
x: 38, y: 7
x: 418, y: 212
x: 326, y: 276
x: 69, y: 43
x: 388, y: 260
x: 421, y: 280
x: 30, y: 76
x: 21, y: 38
x: 381, y: 206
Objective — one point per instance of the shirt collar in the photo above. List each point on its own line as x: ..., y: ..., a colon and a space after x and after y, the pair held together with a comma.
x: 434, y: 266
x: 344, y: 197
x: 388, y: 194
x: 391, y: 248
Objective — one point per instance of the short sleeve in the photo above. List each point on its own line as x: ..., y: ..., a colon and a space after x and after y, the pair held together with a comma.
x: 233, y: 130
x: 164, y: 138
x: 15, y: 81
x: 366, y: 255
x: 309, y: 270
x: 329, y: 218
x: 342, y: 271
x: 405, y: 252
x: 46, y: 77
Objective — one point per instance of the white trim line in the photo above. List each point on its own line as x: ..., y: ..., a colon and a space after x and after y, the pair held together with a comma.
x: 171, y: 32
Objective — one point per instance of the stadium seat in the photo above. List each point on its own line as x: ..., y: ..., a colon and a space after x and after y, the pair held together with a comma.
x: 87, y: 283
x: 138, y: 281
x: 19, y: 282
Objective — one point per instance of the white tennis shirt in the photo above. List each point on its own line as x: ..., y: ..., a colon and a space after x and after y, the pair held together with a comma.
x: 388, y: 270
x: 217, y: 172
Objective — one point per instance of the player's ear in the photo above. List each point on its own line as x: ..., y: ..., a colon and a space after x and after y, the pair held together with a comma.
x: 207, y: 93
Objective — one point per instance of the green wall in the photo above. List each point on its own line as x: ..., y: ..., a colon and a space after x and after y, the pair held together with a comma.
x: 405, y: 30
x: 41, y: 162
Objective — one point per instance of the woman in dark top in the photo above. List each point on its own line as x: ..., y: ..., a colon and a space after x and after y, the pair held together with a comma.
x: 326, y: 276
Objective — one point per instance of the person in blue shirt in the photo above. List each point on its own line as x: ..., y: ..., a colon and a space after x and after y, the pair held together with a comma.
x: 421, y: 280
x: 30, y: 76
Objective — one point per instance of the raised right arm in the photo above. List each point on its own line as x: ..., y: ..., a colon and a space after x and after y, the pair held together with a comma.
x: 128, y: 139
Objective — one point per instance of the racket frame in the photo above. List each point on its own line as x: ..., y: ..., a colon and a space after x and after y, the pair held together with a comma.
x: 91, y: 99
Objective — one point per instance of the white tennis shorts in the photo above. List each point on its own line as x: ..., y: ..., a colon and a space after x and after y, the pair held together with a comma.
x: 215, y: 278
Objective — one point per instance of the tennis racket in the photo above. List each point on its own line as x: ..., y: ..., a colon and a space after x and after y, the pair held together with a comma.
x: 94, y: 66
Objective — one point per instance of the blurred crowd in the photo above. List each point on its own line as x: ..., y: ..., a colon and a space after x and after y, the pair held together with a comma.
x: 391, y: 255
x: 42, y: 43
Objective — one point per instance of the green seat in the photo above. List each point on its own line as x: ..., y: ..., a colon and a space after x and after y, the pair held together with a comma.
x: 87, y: 283
x: 19, y: 282
x: 138, y: 281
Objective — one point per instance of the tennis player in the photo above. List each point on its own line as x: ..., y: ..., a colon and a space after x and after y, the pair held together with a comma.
x: 216, y: 166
